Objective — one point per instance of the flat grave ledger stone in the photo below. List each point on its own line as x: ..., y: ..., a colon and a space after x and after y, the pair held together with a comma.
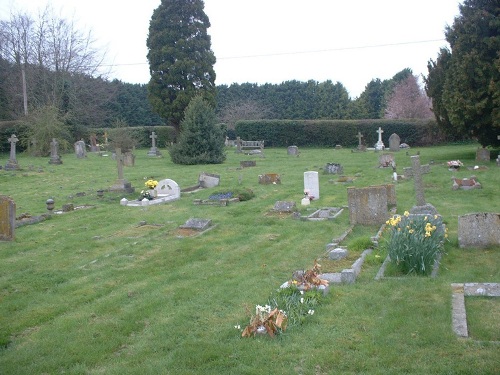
x: 7, y: 218
x: 386, y: 160
x: 285, y: 206
x: 479, y: 230
x: 333, y: 168
x: 394, y: 142
x: 311, y: 184
x: 483, y: 154
x: 293, y: 150
x: 248, y: 163
x: 269, y: 178
x: 370, y: 205
x: 465, y: 183
x: 208, y: 180
x: 197, y: 224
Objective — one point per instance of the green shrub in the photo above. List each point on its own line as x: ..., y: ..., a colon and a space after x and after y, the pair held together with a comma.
x: 414, y: 242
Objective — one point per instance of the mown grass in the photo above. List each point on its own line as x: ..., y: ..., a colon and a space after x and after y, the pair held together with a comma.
x: 94, y: 292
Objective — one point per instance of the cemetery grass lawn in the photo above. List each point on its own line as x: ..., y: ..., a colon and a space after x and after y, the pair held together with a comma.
x: 95, y: 291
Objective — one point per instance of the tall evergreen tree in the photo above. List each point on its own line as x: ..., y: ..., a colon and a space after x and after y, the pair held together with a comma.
x: 180, y: 59
x: 201, y: 140
x: 464, y: 83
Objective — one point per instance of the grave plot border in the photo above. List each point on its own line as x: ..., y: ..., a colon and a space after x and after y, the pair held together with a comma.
x: 459, y: 312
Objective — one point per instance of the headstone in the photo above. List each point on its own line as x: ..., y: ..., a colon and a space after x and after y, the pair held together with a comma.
x: 248, y: 163
x: 293, y: 150
x: 197, y: 224
x: 285, y: 206
x: 80, y: 149
x: 54, y: 157
x: 379, y: 146
x: 361, y: 146
x: 208, y: 180
x: 394, y: 142
x: 338, y: 253
x: 168, y: 187
x: 386, y: 160
x: 121, y: 184
x: 333, y: 168
x: 370, y: 205
x: 93, y: 143
x: 12, y: 162
x: 269, y: 178
x: 483, y: 154
x: 479, y: 230
x: 7, y: 218
x: 416, y: 171
x: 128, y: 159
x: 154, y: 150
x: 311, y: 184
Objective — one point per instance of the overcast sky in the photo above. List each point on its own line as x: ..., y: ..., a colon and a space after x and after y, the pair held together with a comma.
x: 272, y: 41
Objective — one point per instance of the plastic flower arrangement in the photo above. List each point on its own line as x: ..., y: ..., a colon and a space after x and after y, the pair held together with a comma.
x: 145, y: 194
x: 455, y: 164
x: 307, y: 194
x: 414, y: 241
x: 151, y: 184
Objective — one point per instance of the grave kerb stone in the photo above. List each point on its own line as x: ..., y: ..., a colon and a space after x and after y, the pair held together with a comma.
x: 7, y: 218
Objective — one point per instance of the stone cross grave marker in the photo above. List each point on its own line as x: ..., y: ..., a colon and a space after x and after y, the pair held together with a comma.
x: 416, y: 170
x: 7, y: 218
x: 12, y: 162
x: 380, y: 145
x: 360, y: 137
x: 54, y: 157
x: 119, y: 163
x: 154, y: 150
x: 121, y: 184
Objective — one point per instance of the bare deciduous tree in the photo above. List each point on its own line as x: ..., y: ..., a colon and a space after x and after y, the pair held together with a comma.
x: 243, y: 110
x: 408, y: 100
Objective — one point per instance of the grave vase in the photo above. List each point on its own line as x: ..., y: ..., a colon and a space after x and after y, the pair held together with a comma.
x: 153, y: 193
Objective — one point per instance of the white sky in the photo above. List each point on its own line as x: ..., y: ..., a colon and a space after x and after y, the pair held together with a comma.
x: 272, y: 41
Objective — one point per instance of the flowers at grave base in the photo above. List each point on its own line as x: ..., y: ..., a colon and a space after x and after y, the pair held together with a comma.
x: 413, y: 242
x: 266, y: 320
x: 455, y: 164
x: 308, y: 279
x: 307, y: 194
x: 151, y: 184
x: 146, y: 194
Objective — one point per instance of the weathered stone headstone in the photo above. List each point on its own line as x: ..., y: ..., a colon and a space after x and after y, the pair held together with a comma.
x: 379, y: 146
x: 386, y: 160
x: 479, y: 230
x: 12, y: 162
x: 269, y: 178
x: 128, y: 159
x: 80, y: 149
x: 285, y: 206
x: 483, y: 154
x: 208, y: 180
x: 197, y: 224
x: 248, y: 163
x: 333, y: 168
x: 93, y: 143
x: 311, y: 184
x: 416, y: 171
x: 153, y: 150
x: 293, y: 150
x: 361, y: 145
x: 121, y: 184
x: 370, y: 205
x: 394, y: 142
x: 7, y: 218
x: 54, y: 157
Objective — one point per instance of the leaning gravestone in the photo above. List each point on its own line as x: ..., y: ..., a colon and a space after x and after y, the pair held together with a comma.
x: 394, y: 142
x: 483, y: 154
x: 370, y: 205
x: 54, y: 157
x: 7, y: 218
x: 479, y: 230
x: 197, y: 224
x: 12, y: 162
x: 80, y: 151
x: 311, y: 184
x: 208, y: 180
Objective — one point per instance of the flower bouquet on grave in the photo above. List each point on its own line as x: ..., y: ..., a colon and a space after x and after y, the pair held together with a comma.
x: 146, y: 194
x: 454, y: 165
x: 151, y: 184
x: 266, y: 320
x: 307, y: 195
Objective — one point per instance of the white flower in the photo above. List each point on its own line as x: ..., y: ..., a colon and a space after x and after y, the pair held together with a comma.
x: 302, y: 300
x: 301, y: 292
x: 310, y: 312
x: 237, y: 326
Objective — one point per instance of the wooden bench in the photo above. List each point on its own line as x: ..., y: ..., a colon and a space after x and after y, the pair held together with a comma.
x: 242, y: 146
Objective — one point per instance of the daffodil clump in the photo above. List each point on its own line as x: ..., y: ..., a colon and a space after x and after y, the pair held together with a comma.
x: 414, y: 241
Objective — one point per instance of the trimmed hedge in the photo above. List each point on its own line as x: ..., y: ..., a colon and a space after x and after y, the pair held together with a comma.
x: 329, y: 133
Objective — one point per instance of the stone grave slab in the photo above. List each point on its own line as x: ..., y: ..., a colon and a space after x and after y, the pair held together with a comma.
x: 197, y: 224
x: 370, y: 205
x: 483, y: 154
x: 285, y: 206
x: 248, y: 163
x: 465, y: 183
x: 269, y: 178
x: 479, y: 230
x: 293, y: 150
x: 7, y: 218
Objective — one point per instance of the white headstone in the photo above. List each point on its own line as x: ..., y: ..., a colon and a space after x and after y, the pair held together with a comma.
x: 311, y: 184
x: 168, y: 187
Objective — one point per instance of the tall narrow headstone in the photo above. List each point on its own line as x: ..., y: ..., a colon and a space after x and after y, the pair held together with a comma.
x: 12, y: 162
x: 311, y: 184
x: 54, y: 157
x: 379, y: 145
x: 7, y: 218
x: 80, y: 151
